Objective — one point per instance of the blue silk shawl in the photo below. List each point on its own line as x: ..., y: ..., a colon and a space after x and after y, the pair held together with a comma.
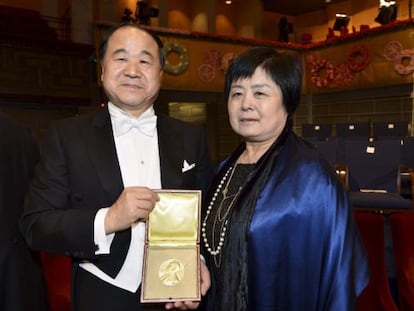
x: 304, y: 252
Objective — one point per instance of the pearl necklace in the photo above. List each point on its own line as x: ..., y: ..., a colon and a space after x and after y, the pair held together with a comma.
x: 220, y: 218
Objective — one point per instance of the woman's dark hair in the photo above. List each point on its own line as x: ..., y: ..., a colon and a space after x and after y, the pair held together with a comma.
x: 104, y: 43
x: 284, y: 68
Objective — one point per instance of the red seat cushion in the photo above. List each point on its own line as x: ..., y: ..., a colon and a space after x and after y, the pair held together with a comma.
x: 57, y: 271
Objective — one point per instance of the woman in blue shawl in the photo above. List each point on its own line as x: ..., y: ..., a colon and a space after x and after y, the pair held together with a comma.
x: 277, y: 229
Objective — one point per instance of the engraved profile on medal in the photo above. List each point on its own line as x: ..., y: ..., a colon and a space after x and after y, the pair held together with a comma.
x: 171, y: 272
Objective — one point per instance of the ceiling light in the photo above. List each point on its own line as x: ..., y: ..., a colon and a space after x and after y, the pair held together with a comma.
x: 387, y: 14
x: 342, y: 20
x: 386, y: 3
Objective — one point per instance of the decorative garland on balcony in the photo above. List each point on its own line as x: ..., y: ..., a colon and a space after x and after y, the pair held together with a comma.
x: 358, y: 58
x: 325, y: 74
x: 343, y: 75
x: 392, y: 49
x: 403, y: 59
x: 404, y: 62
x: 214, y: 60
x: 173, y: 47
x: 322, y: 66
x: 226, y: 60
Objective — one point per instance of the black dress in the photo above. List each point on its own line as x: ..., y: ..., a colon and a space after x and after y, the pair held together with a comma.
x: 220, y: 212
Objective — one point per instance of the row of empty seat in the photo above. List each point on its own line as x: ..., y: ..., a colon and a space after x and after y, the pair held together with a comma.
x: 374, y: 171
x: 323, y: 131
x: 335, y: 150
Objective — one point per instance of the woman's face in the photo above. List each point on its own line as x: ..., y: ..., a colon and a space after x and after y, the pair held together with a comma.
x: 255, y: 108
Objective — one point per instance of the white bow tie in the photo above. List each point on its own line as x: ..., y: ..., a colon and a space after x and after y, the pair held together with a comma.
x: 145, y: 125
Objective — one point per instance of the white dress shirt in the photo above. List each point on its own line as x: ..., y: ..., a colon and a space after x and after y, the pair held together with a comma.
x: 140, y: 166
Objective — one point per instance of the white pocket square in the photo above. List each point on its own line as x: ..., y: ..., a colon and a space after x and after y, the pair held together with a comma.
x: 187, y: 167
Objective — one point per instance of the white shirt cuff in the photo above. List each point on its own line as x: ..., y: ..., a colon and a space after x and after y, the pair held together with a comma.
x: 102, y: 240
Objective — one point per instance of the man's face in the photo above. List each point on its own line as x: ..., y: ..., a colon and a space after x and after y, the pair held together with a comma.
x: 131, y: 73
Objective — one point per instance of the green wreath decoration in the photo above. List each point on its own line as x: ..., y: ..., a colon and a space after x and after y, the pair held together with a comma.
x: 172, y: 47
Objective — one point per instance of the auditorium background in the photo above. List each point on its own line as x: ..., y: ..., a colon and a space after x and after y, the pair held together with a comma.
x: 357, y: 73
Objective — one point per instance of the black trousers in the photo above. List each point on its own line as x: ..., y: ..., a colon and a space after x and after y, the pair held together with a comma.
x: 92, y: 294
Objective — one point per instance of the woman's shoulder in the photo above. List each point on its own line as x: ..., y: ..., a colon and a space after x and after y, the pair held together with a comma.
x: 305, y: 150
x: 306, y: 156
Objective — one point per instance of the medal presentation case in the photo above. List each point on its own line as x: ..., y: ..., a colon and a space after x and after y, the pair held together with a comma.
x: 171, y: 268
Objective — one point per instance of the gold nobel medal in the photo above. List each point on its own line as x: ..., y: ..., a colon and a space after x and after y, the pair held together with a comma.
x: 171, y: 272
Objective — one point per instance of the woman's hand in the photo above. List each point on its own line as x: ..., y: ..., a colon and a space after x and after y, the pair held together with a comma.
x: 204, y: 287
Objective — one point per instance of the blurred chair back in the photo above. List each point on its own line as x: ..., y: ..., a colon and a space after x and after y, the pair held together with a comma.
x: 316, y: 131
x: 373, y: 174
x: 353, y: 129
x: 373, y: 165
x: 328, y: 149
x: 396, y: 128
x: 407, y: 152
x: 402, y: 229
x: 377, y: 294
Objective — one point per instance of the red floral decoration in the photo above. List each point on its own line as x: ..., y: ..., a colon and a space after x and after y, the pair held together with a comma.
x: 343, y: 75
x: 213, y: 57
x: 206, y: 73
x: 358, y: 59
x: 226, y: 60
x: 392, y: 50
x: 322, y: 73
x: 404, y: 62
x: 310, y: 58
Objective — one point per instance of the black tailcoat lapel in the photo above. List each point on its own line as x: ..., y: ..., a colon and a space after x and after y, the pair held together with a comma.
x: 170, y: 142
x: 103, y: 155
